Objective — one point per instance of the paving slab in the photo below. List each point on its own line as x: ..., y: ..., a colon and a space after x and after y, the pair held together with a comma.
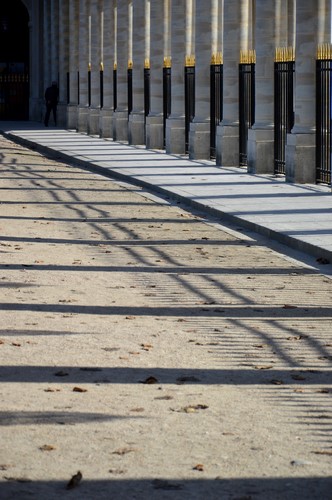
x: 299, y: 216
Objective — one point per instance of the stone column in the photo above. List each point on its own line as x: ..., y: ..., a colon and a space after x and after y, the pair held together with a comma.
x: 83, y: 107
x: 47, y: 41
x: 199, y: 134
x: 73, y: 64
x: 136, y: 117
x: 227, y: 140
x: 63, y: 61
x: 54, y: 48
x: 37, y: 61
x: 120, y: 117
x: 261, y: 135
x: 94, y: 62
x: 154, y: 122
x: 313, y: 26
x: 106, y: 129
x: 175, y: 124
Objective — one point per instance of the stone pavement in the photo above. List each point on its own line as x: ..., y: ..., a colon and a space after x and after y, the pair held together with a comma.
x: 299, y: 216
x: 162, y: 354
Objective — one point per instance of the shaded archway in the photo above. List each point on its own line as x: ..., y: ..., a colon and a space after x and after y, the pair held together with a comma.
x: 14, y: 61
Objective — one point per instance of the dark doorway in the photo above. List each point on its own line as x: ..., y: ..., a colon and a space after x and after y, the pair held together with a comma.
x: 14, y: 61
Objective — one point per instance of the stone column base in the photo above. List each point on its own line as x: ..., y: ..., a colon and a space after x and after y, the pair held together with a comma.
x: 93, y: 121
x: 82, y: 121
x: 154, y: 132
x: 199, y: 141
x: 136, y: 127
x: 120, y: 125
x: 261, y: 151
x: 301, y: 158
x: 106, y: 123
x: 37, y: 109
x: 61, y: 115
x: 72, y: 113
x: 227, y: 145
x: 175, y: 136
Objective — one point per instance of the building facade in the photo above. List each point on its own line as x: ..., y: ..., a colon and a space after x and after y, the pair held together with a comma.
x: 242, y: 82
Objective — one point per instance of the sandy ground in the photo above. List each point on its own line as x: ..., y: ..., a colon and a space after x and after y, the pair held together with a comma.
x: 162, y: 355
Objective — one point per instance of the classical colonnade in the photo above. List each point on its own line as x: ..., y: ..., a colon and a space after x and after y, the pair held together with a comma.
x: 122, y: 67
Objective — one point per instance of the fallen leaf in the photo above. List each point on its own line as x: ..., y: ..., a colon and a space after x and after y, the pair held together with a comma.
x: 199, y: 467
x: 139, y: 409
x: 289, y: 306
x: 61, y: 373
x: 16, y: 344
x: 298, y: 377
x: 322, y: 452
x: 124, y: 451
x: 51, y: 390
x: 166, y: 398
x: 74, y: 481
x: 150, y: 380
x: 117, y: 471
x: 79, y: 389
x: 263, y: 367
x: 193, y: 408
x: 276, y: 382
x: 47, y: 447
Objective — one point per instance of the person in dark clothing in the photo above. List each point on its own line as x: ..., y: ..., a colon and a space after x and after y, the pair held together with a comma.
x: 51, y: 99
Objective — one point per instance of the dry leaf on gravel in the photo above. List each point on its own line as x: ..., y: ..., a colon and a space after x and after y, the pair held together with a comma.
x: 47, y: 447
x: 199, y: 467
x: 149, y: 380
x: 276, y: 382
x: 192, y: 408
x: 61, y: 373
x: 322, y: 452
x: 74, y: 481
x: 79, y: 389
x: 124, y: 451
x: 263, y: 367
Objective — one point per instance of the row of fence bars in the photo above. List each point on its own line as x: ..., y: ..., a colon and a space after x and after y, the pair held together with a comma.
x: 14, y: 96
x: 323, y: 113
x: 284, y: 70
x: 246, y: 101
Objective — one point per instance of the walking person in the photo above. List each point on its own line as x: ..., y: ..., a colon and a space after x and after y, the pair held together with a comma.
x: 51, y: 100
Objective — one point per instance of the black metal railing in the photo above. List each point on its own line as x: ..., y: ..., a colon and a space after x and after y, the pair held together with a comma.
x: 246, y: 102
x: 14, y: 96
x: 167, y: 93
x: 189, y: 98
x: 323, y: 115
x: 130, y: 90
x: 147, y: 97
x: 216, y: 100
x: 101, y: 88
x: 284, y: 68
x: 89, y: 88
x: 115, y: 88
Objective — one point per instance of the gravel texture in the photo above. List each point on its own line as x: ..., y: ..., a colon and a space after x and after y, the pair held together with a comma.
x: 150, y: 353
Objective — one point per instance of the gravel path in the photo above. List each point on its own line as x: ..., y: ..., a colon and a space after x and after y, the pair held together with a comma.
x: 160, y: 354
